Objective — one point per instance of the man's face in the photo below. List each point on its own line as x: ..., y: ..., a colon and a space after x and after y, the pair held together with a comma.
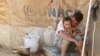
x: 74, y: 22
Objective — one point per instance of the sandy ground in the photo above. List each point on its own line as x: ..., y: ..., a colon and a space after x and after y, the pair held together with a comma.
x: 9, y: 52
x: 6, y: 52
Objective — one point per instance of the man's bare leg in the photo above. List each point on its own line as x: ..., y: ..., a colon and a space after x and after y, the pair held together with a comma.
x: 80, y: 47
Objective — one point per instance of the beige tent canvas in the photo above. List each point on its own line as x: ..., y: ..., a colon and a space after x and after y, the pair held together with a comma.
x: 18, y: 17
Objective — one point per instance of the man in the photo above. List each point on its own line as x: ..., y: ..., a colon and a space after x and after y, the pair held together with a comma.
x: 75, y: 21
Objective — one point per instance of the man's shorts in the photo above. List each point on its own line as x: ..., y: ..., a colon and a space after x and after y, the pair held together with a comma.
x: 79, y: 38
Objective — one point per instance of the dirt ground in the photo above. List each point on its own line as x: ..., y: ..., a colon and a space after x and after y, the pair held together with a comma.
x: 6, y: 52
x: 9, y: 52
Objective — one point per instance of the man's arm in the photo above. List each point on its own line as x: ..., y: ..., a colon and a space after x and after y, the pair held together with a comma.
x: 78, y: 32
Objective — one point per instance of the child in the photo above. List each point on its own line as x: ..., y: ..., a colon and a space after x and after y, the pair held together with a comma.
x: 63, y: 41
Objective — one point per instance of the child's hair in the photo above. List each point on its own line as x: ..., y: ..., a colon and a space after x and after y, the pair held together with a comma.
x: 67, y: 19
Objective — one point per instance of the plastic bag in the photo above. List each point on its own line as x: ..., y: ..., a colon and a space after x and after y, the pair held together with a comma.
x: 32, y: 42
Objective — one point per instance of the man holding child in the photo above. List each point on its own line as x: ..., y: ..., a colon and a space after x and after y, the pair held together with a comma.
x: 69, y: 30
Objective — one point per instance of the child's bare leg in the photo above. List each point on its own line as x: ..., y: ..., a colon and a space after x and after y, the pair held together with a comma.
x: 64, y: 48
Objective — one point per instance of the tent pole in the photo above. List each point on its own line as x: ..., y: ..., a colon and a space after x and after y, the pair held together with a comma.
x: 57, y: 9
x: 86, y: 30
x: 93, y: 39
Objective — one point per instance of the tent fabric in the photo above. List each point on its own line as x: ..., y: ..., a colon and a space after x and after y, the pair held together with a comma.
x: 20, y: 16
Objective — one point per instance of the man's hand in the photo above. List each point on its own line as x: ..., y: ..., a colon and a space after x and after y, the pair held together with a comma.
x: 77, y: 44
x: 77, y: 32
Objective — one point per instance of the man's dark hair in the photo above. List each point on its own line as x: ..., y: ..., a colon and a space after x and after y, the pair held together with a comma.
x: 78, y: 16
x: 51, y: 1
x: 67, y: 19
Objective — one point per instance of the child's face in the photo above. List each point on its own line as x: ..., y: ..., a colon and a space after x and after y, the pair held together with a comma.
x: 67, y: 24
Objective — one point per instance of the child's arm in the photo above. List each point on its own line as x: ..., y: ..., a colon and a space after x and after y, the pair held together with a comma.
x: 67, y: 37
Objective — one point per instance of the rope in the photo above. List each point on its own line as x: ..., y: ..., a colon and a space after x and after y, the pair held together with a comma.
x: 86, y: 30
